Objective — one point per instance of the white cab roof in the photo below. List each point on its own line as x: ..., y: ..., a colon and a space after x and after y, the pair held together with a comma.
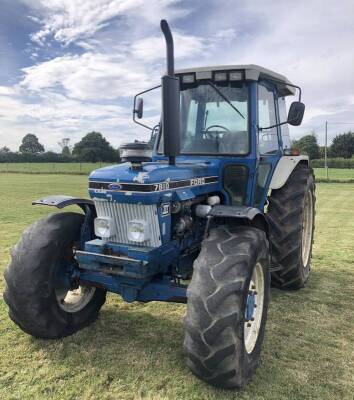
x: 251, y: 71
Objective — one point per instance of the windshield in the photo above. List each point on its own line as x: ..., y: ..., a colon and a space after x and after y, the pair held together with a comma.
x: 214, y: 119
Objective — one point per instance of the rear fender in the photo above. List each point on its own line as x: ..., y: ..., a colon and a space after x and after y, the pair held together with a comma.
x: 284, y: 168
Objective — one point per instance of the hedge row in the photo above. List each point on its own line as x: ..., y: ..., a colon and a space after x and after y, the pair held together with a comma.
x: 333, y: 163
x: 47, y: 157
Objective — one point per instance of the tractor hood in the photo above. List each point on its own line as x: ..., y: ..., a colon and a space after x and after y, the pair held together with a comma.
x: 154, y: 177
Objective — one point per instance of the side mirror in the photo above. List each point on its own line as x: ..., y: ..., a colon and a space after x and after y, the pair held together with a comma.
x: 138, y: 110
x: 296, y: 113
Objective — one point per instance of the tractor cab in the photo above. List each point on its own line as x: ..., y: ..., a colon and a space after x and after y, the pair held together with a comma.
x: 233, y: 117
x: 222, y: 108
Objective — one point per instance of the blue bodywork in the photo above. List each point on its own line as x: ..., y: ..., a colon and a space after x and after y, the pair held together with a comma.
x: 146, y: 274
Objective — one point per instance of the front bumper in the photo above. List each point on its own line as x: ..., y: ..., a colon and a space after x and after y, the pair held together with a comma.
x: 135, y: 274
x: 123, y: 260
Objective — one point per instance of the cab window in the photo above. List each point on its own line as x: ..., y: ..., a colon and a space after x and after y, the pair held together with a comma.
x: 267, y: 138
x: 284, y: 128
x: 214, y: 119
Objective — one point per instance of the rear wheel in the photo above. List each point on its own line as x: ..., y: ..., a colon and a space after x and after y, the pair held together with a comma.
x: 43, y: 298
x: 291, y: 217
x: 227, y: 306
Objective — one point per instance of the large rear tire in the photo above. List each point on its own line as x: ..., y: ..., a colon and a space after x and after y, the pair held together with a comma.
x: 223, y: 329
x: 39, y: 302
x: 291, y: 217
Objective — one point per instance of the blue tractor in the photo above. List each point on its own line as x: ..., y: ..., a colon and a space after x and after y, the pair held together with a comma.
x: 209, y: 212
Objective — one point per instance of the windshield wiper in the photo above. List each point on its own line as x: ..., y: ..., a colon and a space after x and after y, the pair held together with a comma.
x: 225, y: 98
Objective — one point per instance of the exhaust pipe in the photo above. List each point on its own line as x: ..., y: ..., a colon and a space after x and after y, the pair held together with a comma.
x: 169, y: 48
x: 170, y: 101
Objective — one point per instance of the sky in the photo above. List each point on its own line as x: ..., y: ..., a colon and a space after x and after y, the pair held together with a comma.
x: 72, y: 66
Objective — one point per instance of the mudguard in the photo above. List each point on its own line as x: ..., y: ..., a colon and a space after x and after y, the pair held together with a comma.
x: 250, y: 215
x: 234, y: 212
x: 61, y: 201
x: 284, y: 168
x: 87, y: 205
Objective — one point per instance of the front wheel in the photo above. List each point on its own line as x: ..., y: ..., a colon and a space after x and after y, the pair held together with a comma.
x: 227, y: 306
x: 43, y: 301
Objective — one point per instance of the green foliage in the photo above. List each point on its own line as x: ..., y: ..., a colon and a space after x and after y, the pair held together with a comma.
x: 49, y: 156
x: 66, y: 151
x: 30, y: 144
x: 333, y: 163
x: 308, y: 145
x: 321, y: 152
x: 93, y: 148
x: 4, y: 150
x: 343, y: 145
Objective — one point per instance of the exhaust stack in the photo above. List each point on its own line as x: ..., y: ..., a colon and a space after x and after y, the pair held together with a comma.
x: 170, y: 101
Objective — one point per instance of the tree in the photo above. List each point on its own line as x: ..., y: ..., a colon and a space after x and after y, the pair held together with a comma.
x: 4, y: 150
x: 343, y: 145
x: 65, y: 147
x: 308, y: 145
x: 30, y: 144
x: 321, y: 152
x: 94, y: 147
x: 66, y: 151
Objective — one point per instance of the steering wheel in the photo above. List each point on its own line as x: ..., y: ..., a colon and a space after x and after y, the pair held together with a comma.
x: 211, y: 136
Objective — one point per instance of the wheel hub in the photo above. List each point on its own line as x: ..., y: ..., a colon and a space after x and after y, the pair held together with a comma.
x: 250, y: 305
x: 74, y: 300
x: 70, y: 295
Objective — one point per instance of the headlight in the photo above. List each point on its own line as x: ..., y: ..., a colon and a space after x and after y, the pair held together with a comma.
x: 104, y: 227
x: 138, y: 230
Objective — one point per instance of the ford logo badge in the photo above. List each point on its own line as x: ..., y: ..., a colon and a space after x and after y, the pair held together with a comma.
x: 114, y: 186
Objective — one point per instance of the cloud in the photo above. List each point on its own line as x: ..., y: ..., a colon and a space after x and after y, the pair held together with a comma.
x: 53, y: 115
x: 90, y: 76
x: 186, y: 46
x: 71, y: 20
x: 90, y: 57
x: 307, y: 41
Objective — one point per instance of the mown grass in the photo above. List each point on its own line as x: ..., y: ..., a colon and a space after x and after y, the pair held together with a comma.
x: 51, y: 168
x: 134, y: 351
x: 335, y: 174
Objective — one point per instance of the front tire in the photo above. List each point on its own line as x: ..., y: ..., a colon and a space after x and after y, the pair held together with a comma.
x: 39, y: 299
x: 222, y: 342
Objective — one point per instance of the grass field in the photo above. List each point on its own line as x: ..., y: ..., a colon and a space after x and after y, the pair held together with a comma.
x: 135, y: 351
x: 335, y: 174
x: 86, y: 168
x: 51, y: 168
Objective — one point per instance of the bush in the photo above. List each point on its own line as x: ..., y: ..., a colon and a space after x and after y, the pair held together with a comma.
x: 333, y: 163
x: 94, y: 147
x: 308, y: 145
x: 48, y: 156
x: 342, y: 145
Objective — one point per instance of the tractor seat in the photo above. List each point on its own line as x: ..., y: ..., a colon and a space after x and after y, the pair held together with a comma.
x: 205, y: 145
x: 234, y: 142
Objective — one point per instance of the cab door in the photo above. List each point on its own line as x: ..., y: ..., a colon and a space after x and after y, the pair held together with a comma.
x: 268, y: 143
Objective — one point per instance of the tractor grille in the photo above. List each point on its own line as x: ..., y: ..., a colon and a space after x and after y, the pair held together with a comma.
x: 122, y: 213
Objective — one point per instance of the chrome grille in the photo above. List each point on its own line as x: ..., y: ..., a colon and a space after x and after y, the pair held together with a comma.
x: 122, y: 213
